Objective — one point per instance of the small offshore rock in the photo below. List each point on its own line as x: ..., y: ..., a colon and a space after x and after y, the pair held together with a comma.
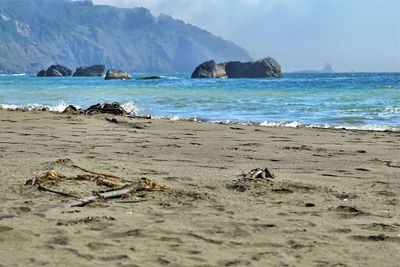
x: 114, y: 74
x: 55, y: 71
x: 149, y: 78
x: 263, y: 68
x: 106, y: 108
x: 92, y: 71
x: 58, y: 70
x: 41, y: 73
x: 210, y: 69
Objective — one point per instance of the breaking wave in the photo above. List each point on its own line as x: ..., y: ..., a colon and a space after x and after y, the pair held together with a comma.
x: 130, y: 107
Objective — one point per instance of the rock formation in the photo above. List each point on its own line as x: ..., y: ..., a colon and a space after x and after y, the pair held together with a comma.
x: 328, y: 68
x: 95, y: 70
x: 71, y: 109
x: 55, y: 71
x: 117, y: 74
x: 149, y: 78
x: 264, y: 68
x: 111, y: 108
x: 41, y: 73
x: 210, y: 69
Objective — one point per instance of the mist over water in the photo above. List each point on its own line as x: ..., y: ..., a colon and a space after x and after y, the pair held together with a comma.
x: 351, y: 100
x: 356, y: 35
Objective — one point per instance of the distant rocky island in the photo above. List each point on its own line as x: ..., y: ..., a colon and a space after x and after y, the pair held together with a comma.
x: 92, y: 71
x: 38, y: 33
x: 263, y: 68
x: 61, y: 71
x: 327, y: 69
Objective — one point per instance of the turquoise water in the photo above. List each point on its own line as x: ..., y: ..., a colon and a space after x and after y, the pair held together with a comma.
x: 350, y: 100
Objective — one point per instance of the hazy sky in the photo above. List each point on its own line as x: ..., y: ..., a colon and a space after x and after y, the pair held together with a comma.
x: 359, y: 35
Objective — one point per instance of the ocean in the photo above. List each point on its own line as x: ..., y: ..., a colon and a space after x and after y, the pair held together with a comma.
x: 365, y: 101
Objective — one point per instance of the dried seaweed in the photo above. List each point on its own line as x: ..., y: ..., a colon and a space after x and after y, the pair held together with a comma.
x: 50, y: 177
x: 42, y: 188
x: 146, y: 184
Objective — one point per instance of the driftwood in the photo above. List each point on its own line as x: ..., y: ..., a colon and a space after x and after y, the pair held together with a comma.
x: 107, y: 195
x: 125, y: 187
x: 86, y: 200
x: 89, y: 199
x: 85, y: 220
x: 42, y: 188
x: 7, y: 216
x: 96, y: 173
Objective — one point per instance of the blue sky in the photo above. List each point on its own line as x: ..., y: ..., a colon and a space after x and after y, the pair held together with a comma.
x: 359, y: 35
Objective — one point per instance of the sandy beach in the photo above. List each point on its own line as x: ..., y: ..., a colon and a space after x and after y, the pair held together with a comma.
x: 333, y: 201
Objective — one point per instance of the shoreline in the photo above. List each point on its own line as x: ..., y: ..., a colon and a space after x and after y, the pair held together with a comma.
x: 130, y: 106
x: 333, y: 200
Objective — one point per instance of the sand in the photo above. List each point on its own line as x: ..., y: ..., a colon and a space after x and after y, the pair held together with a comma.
x: 334, y: 199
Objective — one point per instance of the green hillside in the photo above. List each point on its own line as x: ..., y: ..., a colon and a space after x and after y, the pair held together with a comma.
x: 37, y: 33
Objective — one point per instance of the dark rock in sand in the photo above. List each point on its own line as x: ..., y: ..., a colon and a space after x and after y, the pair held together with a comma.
x: 149, y: 78
x: 92, y: 71
x: 70, y: 110
x: 264, y: 68
x: 106, y: 108
x: 55, y: 71
x: 210, y: 69
x: 117, y: 74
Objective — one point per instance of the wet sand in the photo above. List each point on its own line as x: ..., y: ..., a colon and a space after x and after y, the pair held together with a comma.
x: 334, y: 200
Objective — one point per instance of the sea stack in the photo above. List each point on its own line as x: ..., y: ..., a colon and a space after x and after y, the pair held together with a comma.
x: 263, y: 68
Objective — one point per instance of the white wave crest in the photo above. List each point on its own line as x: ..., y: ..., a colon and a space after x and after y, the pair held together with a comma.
x: 390, y: 111
x: 368, y: 127
x: 37, y: 107
x: 15, y: 74
x: 292, y: 124
x: 130, y: 107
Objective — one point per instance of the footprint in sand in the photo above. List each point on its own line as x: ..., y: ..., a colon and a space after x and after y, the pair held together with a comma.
x: 346, y: 212
x: 375, y: 238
